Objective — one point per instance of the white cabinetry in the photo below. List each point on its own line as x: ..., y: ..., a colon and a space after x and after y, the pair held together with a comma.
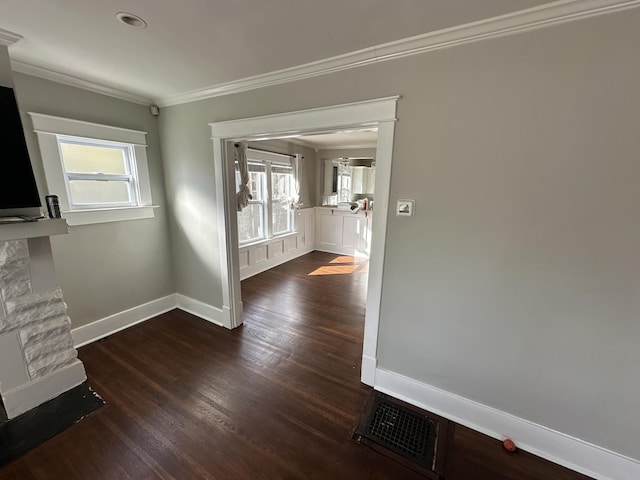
x: 343, y: 232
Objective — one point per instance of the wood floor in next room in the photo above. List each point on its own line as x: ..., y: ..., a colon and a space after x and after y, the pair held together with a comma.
x: 275, y: 399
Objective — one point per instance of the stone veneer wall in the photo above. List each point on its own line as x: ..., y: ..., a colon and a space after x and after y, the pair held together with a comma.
x: 39, y: 318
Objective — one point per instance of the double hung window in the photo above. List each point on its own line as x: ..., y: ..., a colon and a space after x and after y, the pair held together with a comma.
x: 251, y: 220
x: 99, y: 172
x: 269, y: 213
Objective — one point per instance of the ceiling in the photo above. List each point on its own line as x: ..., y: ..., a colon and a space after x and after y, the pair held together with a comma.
x: 347, y: 139
x: 197, y: 44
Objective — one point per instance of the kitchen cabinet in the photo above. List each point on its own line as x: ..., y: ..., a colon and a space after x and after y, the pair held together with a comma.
x: 343, y: 232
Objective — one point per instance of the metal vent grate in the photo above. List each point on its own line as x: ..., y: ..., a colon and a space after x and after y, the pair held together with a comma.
x: 403, y: 432
x: 400, y: 429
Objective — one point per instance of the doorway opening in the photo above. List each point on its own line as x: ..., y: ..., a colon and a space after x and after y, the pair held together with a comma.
x: 379, y: 113
x: 311, y: 192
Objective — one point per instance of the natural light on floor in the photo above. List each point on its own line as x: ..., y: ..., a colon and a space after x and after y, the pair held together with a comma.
x: 344, y: 265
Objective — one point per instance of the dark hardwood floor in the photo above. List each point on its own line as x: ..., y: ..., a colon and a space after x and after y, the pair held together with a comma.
x: 277, y: 398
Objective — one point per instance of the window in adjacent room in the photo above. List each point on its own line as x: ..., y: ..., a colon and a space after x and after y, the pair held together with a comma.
x: 251, y: 220
x: 269, y: 213
x: 99, y: 172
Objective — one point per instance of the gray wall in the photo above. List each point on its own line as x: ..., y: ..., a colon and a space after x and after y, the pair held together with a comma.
x: 6, y: 79
x: 516, y: 283
x: 110, y: 267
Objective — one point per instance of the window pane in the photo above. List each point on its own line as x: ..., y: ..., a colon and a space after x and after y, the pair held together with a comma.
x: 281, y: 185
x: 281, y: 217
x: 94, y: 192
x: 78, y: 158
x: 250, y: 223
x: 344, y: 195
x: 256, y: 184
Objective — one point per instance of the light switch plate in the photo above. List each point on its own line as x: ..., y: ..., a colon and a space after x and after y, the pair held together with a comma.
x: 404, y: 208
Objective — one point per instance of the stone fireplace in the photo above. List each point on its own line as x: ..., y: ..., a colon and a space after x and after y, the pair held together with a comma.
x: 37, y: 358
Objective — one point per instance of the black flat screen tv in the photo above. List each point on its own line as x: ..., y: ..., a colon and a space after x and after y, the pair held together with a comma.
x: 18, y: 189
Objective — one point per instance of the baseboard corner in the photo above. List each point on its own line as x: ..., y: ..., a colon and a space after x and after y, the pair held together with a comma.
x: 104, y: 327
x: 202, y: 310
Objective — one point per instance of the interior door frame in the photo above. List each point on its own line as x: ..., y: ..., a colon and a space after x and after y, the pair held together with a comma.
x: 380, y: 113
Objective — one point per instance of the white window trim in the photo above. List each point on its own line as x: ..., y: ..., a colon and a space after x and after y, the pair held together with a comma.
x: 47, y: 127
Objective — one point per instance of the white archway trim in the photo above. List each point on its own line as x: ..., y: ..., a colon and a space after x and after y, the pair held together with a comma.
x: 378, y: 112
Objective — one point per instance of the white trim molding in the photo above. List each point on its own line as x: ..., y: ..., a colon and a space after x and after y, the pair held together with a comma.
x: 546, y: 15
x: 30, y: 395
x: 539, y: 440
x: 49, y: 130
x: 8, y: 38
x: 119, y: 321
x: 377, y: 112
x: 260, y: 256
x: 368, y: 370
x: 79, y: 128
x: 203, y: 310
x: 525, y: 20
x: 78, y: 82
x: 322, y: 119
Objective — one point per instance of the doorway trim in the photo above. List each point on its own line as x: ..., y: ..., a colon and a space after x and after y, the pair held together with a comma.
x: 380, y: 113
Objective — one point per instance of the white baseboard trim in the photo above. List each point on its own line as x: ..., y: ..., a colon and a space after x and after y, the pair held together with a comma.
x: 30, y: 395
x: 554, y: 446
x: 203, y: 310
x: 119, y: 321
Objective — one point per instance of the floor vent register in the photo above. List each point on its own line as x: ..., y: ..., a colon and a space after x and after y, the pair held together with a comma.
x: 405, y: 433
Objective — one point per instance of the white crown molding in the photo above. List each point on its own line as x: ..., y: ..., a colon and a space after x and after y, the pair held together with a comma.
x: 72, y: 81
x: 8, y: 38
x: 533, y: 18
x: 538, y: 17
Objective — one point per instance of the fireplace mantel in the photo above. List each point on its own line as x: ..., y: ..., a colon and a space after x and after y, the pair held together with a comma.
x: 45, y: 227
x: 37, y: 359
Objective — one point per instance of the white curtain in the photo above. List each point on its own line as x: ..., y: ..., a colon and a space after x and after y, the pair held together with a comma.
x: 244, y: 193
x: 295, y: 201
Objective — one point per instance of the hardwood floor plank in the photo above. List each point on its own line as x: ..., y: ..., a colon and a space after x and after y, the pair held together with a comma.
x: 277, y: 398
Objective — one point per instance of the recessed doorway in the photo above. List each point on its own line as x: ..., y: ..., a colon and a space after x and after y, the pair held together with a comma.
x: 379, y: 113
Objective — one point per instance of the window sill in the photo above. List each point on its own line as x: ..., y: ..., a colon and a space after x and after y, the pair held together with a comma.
x: 106, y: 215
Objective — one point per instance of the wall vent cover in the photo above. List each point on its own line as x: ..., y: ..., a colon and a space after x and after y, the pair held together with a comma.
x: 403, y: 432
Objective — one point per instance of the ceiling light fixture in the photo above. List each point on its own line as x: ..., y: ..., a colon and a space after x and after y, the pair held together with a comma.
x: 131, y: 20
